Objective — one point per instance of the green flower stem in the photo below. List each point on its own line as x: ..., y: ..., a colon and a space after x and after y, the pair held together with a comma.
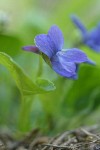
x: 24, y: 114
x: 40, y: 68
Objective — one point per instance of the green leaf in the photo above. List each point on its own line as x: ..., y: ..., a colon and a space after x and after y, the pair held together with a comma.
x: 44, y: 84
x: 92, y: 54
x: 24, y: 83
x: 10, y: 44
x: 84, y: 93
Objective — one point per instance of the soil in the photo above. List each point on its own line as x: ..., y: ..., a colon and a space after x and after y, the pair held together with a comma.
x: 87, y: 138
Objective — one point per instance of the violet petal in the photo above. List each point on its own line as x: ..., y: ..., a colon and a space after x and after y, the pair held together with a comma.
x: 78, y: 24
x: 63, y: 68
x: 56, y: 37
x: 44, y: 44
x: 73, y: 55
x: 50, y: 43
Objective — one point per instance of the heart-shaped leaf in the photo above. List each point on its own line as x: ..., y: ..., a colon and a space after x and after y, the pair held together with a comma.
x: 24, y: 83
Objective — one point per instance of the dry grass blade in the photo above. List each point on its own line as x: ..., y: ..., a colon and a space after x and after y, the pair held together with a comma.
x: 79, y: 139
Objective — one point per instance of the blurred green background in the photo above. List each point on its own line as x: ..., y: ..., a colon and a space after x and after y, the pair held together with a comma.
x: 73, y: 103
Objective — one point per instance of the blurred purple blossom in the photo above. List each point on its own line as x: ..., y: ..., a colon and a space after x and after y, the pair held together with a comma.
x: 90, y: 38
x: 65, y: 62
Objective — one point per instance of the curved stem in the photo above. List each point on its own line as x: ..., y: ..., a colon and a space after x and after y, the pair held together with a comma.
x: 24, y: 114
x: 39, y: 72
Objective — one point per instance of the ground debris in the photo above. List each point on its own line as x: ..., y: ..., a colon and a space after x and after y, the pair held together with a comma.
x: 79, y: 139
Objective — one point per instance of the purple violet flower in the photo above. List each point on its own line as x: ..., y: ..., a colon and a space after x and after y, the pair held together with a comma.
x: 90, y: 38
x: 65, y: 62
